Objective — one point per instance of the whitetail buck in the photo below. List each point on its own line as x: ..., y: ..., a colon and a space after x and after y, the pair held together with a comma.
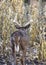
x: 19, y: 41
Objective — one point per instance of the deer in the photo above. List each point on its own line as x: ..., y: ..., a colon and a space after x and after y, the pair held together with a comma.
x: 20, y: 41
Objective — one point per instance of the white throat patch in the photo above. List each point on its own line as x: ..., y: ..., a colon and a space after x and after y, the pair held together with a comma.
x: 17, y: 48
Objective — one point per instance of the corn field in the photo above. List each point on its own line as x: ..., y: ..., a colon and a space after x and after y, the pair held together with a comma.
x: 22, y: 12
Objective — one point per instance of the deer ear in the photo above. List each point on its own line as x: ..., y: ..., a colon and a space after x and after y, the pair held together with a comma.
x: 17, y: 26
x: 27, y: 26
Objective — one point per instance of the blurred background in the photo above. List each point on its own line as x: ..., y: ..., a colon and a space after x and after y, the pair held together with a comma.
x: 22, y: 12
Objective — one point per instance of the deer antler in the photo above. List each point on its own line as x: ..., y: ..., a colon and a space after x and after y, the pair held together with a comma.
x: 15, y: 20
x: 28, y: 22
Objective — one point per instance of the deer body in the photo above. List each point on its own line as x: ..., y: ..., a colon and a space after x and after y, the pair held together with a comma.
x: 19, y: 41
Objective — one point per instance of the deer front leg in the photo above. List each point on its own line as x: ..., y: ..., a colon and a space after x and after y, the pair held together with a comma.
x: 24, y: 54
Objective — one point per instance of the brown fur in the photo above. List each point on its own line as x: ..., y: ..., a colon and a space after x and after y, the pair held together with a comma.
x: 20, y: 37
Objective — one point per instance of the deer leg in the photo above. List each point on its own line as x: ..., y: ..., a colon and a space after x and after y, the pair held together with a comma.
x: 24, y: 57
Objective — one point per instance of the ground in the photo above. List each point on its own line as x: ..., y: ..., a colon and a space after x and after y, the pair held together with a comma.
x: 27, y: 62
